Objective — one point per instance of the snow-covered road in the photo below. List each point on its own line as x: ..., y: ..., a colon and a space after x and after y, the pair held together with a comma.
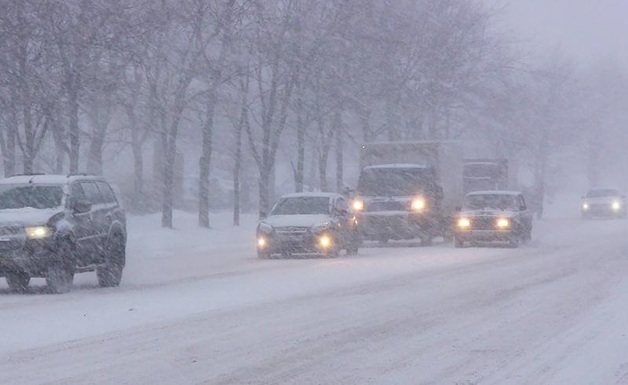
x: 196, y: 306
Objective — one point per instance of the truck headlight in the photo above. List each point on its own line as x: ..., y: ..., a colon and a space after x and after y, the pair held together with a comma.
x: 417, y: 204
x: 503, y: 223
x: 616, y: 205
x: 38, y: 232
x: 358, y: 204
x: 464, y: 223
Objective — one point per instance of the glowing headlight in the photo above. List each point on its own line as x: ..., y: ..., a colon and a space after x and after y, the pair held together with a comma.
x: 325, y: 241
x: 616, y: 205
x: 38, y: 232
x: 503, y: 223
x: 264, y: 227
x: 261, y: 242
x: 464, y: 223
x: 585, y: 206
x: 417, y: 204
x: 358, y: 205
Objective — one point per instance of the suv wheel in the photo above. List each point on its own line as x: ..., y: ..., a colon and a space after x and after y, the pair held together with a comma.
x: 59, y: 278
x: 18, y: 281
x: 110, y: 273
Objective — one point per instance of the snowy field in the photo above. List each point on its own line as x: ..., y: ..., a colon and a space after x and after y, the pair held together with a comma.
x: 197, y: 306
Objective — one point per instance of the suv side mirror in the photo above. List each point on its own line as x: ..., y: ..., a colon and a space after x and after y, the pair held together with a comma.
x: 81, y: 207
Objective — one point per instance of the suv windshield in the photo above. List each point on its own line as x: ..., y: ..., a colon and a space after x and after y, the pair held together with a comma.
x: 395, y: 181
x: 496, y: 201
x: 35, y: 196
x: 301, y: 205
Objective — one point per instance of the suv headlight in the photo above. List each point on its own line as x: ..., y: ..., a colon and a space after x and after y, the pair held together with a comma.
x: 265, y: 228
x: 38, y: 232
x: 464, y: 223
x: 320, y: 227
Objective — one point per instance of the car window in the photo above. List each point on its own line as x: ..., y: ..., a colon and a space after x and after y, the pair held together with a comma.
x: 77, y: 193
x: 107, y: 193
x: 92, y: 193
x: 522, y: 203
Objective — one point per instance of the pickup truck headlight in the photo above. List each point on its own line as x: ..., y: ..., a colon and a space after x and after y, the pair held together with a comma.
x: 265, y: 228
x: 502, y: 223
x: 38, y: 232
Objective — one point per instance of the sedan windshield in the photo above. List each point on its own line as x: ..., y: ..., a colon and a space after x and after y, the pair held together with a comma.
x: 301, y: 205
x: 495, y: 201
x: 22, y: 196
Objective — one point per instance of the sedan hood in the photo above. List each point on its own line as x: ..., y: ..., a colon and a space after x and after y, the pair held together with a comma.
x: 297, y: 220
x: 26, y: 216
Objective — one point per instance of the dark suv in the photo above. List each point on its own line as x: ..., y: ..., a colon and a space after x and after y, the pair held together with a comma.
x: 54, y: 226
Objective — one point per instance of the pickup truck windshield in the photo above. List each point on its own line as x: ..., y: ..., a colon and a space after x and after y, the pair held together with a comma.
x: 395, y: 181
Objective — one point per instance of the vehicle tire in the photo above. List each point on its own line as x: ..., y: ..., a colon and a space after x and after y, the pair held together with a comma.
x: 458, y: 243
x: 110, y: 273
x: 59, y: 278
x: 18, y: 281
x: 354, y: 245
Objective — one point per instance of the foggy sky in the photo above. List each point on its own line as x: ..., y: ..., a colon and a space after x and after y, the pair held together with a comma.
x: 590, y: 31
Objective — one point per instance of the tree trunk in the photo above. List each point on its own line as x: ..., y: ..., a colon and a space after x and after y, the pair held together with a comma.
x: 204, y: 165
x: 238, y: 162
x: 339, y: 131
x: 74, y: 124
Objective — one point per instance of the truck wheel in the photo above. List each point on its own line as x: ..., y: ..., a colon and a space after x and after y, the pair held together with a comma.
x: 110, y: 273
x: 18, y: 281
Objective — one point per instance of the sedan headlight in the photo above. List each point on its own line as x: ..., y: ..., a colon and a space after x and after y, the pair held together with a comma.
x: 38, y: 232
x: 464, y: 223
x: 503, y: 223
x: 265, y: 228
x: 417, y: 204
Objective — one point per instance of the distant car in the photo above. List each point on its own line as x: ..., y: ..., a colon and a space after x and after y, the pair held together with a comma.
x: 54, y: 226
x: 603, y: 203
x: 308, y: 223
x: 493, y: 216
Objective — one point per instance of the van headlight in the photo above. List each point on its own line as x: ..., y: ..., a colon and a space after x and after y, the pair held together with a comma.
x: 38, y: 232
